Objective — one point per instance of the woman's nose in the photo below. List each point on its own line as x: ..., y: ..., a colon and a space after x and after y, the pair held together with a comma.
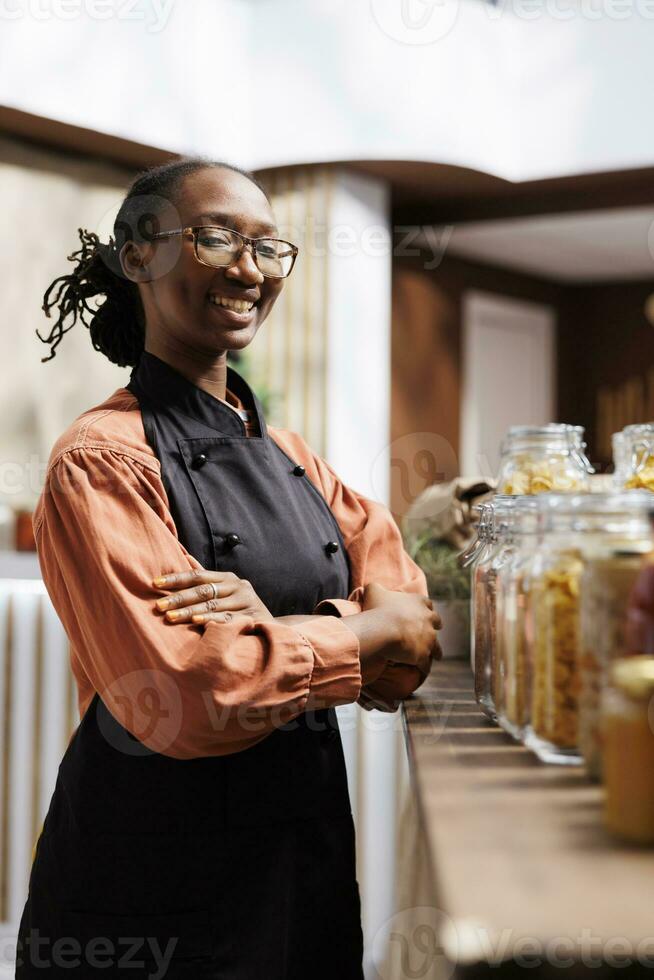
x: 245, y: 268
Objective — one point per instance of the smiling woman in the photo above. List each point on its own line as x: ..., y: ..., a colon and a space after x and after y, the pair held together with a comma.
x: 167, y: 271
x: 204, y: 791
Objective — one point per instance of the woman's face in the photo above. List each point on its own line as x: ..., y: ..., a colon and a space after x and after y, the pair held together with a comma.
x: 181, y: 296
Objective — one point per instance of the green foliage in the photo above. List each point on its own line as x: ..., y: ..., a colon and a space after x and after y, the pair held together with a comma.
x: 440, y: 563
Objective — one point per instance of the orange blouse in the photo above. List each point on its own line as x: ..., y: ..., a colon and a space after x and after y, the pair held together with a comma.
x: 104, y: 531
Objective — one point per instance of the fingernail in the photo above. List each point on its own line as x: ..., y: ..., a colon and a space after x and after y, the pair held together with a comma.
x: 172, y: 615
x: 163, y: 603
x: 198, y: 617
x: 160, y: 581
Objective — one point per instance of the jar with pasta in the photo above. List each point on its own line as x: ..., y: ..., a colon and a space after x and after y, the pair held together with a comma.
x: 543, y: 459
x: 554, y: 623
x: 634, y: 460
x: 501, y: 546
x: 473, y: 558
x: 513, y: 638
x: 617, y: 538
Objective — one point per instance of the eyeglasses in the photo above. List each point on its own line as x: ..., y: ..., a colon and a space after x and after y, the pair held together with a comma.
x: 218, y: 247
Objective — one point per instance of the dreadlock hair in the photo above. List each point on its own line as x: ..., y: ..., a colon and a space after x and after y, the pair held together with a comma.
x: 117, y: 325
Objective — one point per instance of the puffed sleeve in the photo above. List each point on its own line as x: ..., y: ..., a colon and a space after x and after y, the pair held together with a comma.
x: 104, y: 532
x: 376, y: 552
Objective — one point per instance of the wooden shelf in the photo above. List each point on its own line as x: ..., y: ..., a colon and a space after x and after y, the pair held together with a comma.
x: 517, y: 848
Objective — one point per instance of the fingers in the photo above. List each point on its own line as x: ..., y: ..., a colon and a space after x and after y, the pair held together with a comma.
x: 217, y: 617
x: 204, y: 595
x: 201, y: 619
x: 436, y: 619
x: 232, y: 604
x: 193, y: 576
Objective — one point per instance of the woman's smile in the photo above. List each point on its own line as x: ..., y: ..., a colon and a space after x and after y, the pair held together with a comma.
x: 239, y: 312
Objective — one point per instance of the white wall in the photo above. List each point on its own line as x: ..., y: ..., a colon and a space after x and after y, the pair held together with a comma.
x: 523, y: 88
x: 358, y: 426
x: 45, y: 199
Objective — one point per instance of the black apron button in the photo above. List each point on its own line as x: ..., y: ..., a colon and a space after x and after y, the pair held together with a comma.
x: 331, y: 547
x: 299, y: 470
x: 231, y: 540
x: 199, y: 461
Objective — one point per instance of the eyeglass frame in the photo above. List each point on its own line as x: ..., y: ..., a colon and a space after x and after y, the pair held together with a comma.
x: 192, y: 231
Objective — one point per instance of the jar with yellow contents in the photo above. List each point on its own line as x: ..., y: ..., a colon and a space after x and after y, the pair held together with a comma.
x: 617, y: 540
x: 514, y: 638
x: 628, y: 737
x: 544, y: 459
x: 554, y: 623
x: 633, y: 451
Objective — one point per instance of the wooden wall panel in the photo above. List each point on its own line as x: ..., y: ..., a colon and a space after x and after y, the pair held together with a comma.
x: 606, y: 361
x: 426, y: 354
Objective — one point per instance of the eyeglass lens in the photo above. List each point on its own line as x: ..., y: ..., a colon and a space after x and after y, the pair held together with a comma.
x: 220, y: 247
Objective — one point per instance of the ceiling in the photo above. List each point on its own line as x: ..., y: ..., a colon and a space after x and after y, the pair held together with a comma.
x: 591, y: 246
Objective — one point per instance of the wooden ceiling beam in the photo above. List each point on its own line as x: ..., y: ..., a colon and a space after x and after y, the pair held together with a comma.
x: 80, y: 141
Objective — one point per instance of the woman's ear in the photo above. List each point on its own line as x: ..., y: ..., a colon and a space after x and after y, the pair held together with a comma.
x: 135, y: 261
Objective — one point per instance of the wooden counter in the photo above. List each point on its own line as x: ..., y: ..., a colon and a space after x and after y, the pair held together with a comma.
x: 520, y: 863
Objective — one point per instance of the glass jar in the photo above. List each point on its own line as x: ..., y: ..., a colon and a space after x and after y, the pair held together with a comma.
x: 514, y: 641
x: 617, y: 535
x: 628, y: 737
x: 498, y: 553
x: 472, y: 558
x: 635, y: 457
x: 554, y: 623
x: 619, y: 474
x: 540, y: 459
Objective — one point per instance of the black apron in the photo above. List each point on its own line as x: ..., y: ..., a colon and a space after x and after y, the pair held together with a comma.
x: 238, y: 867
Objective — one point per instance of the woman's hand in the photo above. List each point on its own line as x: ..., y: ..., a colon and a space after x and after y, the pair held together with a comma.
x: 194, y: 600
x: 412, y: 624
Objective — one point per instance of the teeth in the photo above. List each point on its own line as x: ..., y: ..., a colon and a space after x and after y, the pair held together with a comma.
x: 238, y: 305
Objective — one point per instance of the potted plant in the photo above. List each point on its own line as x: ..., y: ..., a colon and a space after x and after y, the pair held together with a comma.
x: 449, y: 587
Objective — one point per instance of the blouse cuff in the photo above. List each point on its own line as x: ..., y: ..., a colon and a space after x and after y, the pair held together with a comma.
x: 337, y: 607
x: 336, y: 676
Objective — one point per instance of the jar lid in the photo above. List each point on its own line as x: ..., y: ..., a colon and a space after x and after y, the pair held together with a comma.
x: 618, y: 445
x: 503, y: 502
x: 519, y: 431
x: 510, y: 512
x: 605, y: 512
x: 634, y: 676
x: 638, y: 429
x: 627, y: 502
x: 552, y: 431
